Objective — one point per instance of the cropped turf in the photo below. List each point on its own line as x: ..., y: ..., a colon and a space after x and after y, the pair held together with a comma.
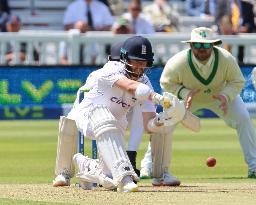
x: 28, y: 150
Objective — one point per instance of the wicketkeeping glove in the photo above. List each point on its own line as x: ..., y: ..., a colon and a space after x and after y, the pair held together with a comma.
x: 173, y: 110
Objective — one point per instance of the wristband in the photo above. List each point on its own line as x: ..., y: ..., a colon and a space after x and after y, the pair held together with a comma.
x: 143, y: 92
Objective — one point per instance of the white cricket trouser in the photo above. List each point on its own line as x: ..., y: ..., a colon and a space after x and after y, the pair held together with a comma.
x: 238, y: 118
x: 136, y: 128
x: 146, y: 162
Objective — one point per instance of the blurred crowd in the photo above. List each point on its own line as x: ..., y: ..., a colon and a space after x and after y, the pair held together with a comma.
x: 230, y: 17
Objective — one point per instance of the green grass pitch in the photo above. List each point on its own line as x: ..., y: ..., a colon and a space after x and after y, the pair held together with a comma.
x: 28, y: 150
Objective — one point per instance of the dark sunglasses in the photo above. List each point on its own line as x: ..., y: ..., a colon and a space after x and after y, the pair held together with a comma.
x: 202, y: 45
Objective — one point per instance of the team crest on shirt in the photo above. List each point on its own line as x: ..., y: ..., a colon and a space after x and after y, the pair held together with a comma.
x: 207, y: 91
x: 143, y: 49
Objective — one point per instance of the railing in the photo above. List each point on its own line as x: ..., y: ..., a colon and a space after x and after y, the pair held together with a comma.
x: 48, y: 43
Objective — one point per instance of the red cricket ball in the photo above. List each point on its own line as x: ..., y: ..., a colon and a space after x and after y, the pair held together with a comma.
x: 211, y: 162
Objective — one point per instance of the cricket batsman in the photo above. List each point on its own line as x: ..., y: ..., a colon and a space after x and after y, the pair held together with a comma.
x: 102, y: 115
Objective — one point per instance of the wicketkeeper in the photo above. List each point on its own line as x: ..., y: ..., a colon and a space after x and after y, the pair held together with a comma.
x: 207, y: 76
x: 102, y: 115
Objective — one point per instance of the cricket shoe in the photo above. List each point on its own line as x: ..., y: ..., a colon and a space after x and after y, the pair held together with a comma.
x: 61, y: 180
x: 166, y: 180
x: 92, y: 173
x: 86, y: 185
x: 127, y: 185
x: 145, y: 173
x: 252, y: 174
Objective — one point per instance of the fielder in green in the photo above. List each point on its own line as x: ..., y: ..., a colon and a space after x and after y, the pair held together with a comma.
x: 207, y: 76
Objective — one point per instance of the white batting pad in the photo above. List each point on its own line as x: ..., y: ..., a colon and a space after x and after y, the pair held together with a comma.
x: 161, y: 146
x: 110, y: 144
x: 67, y: 146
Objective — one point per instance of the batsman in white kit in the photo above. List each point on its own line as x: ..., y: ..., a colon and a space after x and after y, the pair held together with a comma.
x: 102, y: 115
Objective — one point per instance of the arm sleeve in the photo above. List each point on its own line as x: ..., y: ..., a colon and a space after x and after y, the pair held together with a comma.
x: 68, y: 16
x: 148, y: 106
x: 110, y: 74
x: 108, y: 18
x: 171, y: 79
x: 234, y: 80
x: 149, y: 29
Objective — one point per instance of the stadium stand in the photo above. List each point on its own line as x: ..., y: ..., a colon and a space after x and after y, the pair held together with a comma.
x: 48, y: 14
x: 42, y: 25
x: 40, y: 14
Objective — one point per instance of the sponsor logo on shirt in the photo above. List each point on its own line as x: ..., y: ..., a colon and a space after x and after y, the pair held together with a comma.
x: 119, y: 102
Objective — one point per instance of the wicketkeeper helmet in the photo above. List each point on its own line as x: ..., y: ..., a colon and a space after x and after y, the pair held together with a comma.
x: 115, y: 52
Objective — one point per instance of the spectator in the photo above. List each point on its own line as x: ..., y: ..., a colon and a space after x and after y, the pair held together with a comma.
x: 225, y: 27
x: 162, y: 15
x: 106, y: 2
x: 236, y: 14
x: 79, y: 27
x: 117, y: 7
x: 92, y: 13
x: 4, y: 6
x: 4, y: 13
x: 228, y: 18
x: 195, y: 7
x: 96, y: 14
x: 231, y: 8
x: 247, y: 25
x: 220, y: 9
x: 121, y: 26
x: 14, y: 25
x: 139, y: 23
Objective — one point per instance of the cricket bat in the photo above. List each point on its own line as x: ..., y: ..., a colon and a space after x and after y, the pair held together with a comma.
x: 189, y: 121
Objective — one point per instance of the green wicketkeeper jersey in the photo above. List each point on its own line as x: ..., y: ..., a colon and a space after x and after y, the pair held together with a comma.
x: 181, y: 75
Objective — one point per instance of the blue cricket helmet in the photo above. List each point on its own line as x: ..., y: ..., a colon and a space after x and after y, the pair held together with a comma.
x: 137, y: 48
x: 115, y: 52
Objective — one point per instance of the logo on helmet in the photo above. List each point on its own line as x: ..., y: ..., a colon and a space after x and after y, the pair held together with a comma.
x: 143, y: 49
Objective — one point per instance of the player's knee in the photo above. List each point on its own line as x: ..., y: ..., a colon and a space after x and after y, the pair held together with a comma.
x: 242, y: 119
x: 102, y: 120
